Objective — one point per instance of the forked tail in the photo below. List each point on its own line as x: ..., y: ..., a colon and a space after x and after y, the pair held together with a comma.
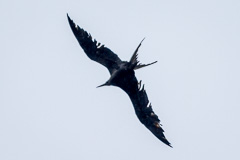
x: 134, y: 59
x: 139, y: 65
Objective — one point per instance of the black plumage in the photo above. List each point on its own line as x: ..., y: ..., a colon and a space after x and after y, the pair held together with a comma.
x: 123, y: 76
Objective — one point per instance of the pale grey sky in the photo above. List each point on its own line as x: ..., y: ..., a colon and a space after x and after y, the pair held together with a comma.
x: 50, y: 108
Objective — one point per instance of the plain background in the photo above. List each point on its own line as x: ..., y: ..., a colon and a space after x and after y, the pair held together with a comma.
x: 50, y: 108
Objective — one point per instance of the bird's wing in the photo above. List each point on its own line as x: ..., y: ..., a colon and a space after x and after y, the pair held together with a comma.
x: 95, y: 51
x: 143, y: 107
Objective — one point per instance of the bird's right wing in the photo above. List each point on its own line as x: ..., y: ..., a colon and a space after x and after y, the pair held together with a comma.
x: 95, y: 51
x: 143, y: 108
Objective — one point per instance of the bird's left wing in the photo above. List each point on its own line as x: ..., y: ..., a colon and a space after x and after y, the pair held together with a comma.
x: 95, y: 51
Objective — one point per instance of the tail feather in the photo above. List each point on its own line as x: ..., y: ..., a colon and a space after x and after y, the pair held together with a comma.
x: 143, y: 65
x: 134, y: 59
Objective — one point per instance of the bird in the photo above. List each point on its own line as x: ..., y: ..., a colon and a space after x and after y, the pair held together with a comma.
x: 122, y: 75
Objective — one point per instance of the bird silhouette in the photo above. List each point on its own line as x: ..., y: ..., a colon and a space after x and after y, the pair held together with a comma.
x: 123, y: 76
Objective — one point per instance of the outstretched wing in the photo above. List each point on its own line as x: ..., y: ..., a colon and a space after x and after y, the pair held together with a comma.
x: 143, y: 107
x: 145, y: 114
x: 95, y: 51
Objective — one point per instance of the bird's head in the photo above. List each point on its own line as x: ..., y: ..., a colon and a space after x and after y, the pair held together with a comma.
x: 105, y: 84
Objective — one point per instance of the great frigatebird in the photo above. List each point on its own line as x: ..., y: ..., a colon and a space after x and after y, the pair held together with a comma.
x: 123, y: 76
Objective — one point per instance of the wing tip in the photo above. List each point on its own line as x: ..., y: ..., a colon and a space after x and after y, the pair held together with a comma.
x: 70, y: 20
x: 165, y: 141
x: 158, y: 132
x: 68, y: 16
x: 170, y: 145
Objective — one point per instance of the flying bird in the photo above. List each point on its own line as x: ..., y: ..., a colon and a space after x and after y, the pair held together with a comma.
x: 122, y: 75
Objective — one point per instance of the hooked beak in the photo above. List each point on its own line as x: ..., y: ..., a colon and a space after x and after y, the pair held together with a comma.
x: 102, y: 85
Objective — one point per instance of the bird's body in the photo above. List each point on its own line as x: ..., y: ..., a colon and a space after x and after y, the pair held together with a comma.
x: 122, y: 76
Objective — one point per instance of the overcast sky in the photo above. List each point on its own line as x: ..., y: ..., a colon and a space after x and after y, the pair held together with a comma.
x: 50, y: 108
